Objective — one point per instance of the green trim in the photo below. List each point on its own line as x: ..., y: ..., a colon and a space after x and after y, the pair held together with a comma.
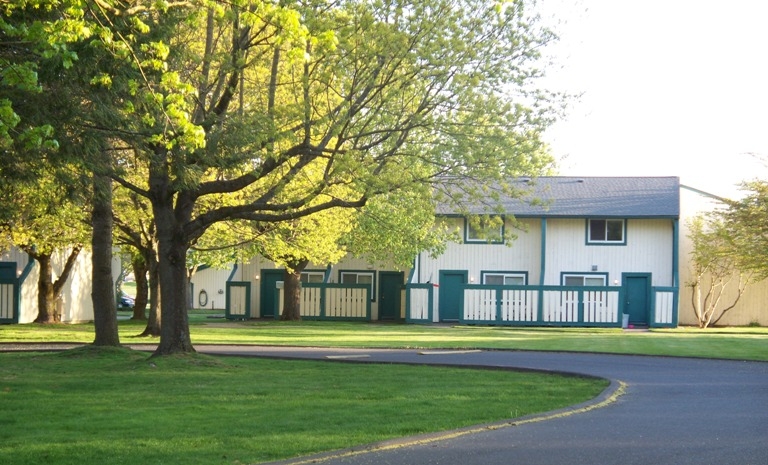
x: 247, y: 286
x: 542, y: 269
x: 607, y: 243
x: 676, y: 253
x: 232, y: 273
x: 430, y: 302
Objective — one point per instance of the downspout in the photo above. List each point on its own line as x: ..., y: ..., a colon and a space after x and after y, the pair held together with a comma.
x: 676, y: 269
x: 232, y: 274
x: 542, y: 269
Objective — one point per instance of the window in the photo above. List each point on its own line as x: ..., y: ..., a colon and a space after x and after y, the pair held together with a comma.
x: 583, y: 280
x: 359, y: 277
x: 485, y: 229
x: 312, y: 276
x: 602, y: 231
x: 504, y: 279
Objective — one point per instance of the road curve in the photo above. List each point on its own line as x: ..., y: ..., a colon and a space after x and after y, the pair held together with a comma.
x: 673, y: 411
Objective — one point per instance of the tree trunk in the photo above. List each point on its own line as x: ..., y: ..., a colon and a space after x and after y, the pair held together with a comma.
x: 46, y: 304
x: 174, y: 332
x: 292, y: 292
x: 103, y: 291
x: 172, y: 253
x: 139, y: 266
x: 154, y: 321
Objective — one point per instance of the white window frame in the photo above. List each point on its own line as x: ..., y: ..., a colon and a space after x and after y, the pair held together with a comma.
x: 584, y: 277
x: 312, y: 276
x: 504, y: 277
x: 485, y: 235
x: 345, y: 273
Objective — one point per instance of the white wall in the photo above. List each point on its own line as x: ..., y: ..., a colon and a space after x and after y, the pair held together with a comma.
x: 648, y: 250
x: 76, y: 295
x: 523, y: 254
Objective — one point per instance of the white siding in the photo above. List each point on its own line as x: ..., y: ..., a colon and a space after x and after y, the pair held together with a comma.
x: 648, y: 250
x: 214, y: 282
x: 523, y: 254
x: 76, y: 303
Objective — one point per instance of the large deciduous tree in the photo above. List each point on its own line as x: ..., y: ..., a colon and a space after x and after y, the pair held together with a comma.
x: 270, y: 112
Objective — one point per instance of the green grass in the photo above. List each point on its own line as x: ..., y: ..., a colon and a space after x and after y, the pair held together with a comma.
x: 116, y: 406
x: 747, y: 343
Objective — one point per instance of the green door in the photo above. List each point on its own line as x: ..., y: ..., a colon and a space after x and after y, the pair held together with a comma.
x: 451, y: 294
x: 637, y: 298
x: 390, y: 292
x: 269, y: 297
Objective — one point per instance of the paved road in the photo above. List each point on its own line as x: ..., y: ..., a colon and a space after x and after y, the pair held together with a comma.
x: 672, y: 411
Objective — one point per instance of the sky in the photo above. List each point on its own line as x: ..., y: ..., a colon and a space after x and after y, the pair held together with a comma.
x: 667, y: 88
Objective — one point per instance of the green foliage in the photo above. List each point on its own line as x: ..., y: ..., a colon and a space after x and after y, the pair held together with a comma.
x: 44, y: 216
x: 748, y: 228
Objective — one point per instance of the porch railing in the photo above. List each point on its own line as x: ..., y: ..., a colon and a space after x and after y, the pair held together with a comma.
x: 593, y: 306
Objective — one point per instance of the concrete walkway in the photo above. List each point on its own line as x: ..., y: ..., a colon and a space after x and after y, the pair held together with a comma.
x: 673, y: 411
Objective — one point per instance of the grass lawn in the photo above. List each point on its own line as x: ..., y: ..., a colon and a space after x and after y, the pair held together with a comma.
x: 116, y: 406
x: 731, y: 343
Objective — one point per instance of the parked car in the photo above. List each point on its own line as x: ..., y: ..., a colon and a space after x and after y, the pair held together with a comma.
x: 126, y: 302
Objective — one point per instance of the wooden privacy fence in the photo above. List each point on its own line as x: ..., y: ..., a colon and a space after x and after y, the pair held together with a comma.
x: 541, y: 305
x: 332, y: 301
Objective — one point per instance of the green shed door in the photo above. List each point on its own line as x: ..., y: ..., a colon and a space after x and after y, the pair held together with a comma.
x: 451, y: 294
x: 390, y: 290
x: 269, y: 297
x: 637, y: 301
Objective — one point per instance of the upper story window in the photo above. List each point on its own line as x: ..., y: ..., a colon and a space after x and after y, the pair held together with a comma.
x: 605, y: 231
x: 504, y: 279
x: 359, y: 277
x: 484, y: 229
x: 312, y: 276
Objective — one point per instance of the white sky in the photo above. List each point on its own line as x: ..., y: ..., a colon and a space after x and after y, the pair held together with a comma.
x: 669, y: 87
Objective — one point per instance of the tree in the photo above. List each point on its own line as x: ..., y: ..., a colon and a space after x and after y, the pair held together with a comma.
x: 41, y: 132
x: 748, y: 222
x: 716, y: 263
x: 44, y: 221
x: 378, y: 97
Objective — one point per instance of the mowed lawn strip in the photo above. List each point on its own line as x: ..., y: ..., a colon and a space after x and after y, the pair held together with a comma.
x: 90, y: 406
x: 744, y: 343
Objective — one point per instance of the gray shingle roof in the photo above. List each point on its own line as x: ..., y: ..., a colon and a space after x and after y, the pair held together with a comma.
x: 570, y: 196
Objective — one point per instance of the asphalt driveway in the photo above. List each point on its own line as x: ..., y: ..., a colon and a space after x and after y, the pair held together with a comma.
x: 671, y: 411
